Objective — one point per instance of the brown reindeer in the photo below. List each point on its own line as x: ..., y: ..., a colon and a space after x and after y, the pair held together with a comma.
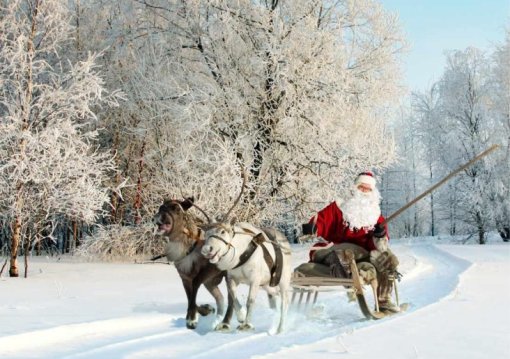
x: 185, y: 236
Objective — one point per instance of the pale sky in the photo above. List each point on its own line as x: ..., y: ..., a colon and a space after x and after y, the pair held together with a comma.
x: 433, y: 26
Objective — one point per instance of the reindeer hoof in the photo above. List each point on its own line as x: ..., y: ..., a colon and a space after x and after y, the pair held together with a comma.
x: 245, y: 327
x: 222, y: 327
x: 191, y: 324
x: 206, y: 309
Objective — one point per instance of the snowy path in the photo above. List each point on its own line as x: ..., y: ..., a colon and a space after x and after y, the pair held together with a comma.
x: 431, y: 277
x: 468, y: 316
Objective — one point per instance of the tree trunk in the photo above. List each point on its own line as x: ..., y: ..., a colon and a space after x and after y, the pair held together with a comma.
x: 81, y: 229
x: 64, y: 236
x: 3, y: 266
x: 481, y: 228
x: 415, y: 232
x: 114, y: 197
x: 75, y: 235
x: 138, y: 197
x: 432, y: 216
x: 28, y: 241
x: 15, y: 241
x: 453, y: 211
x: 267, y: 122
x: 69, y: 238
x: 38, y: 247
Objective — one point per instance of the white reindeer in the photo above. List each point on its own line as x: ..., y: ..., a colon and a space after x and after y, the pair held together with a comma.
x: 239, y: 250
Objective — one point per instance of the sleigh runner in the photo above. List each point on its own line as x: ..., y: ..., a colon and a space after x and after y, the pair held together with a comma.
x: 309, y: 279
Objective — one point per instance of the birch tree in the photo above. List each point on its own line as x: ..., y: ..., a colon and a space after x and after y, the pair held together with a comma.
x: 49, y: 161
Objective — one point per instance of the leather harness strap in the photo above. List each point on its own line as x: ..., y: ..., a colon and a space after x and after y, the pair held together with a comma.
x: 243, y: 258
x: 192, y: 248
x: 275, y: 267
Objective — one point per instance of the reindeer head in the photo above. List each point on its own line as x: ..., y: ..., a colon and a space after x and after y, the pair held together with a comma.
x: 217, y: 242
x: 172, y: 215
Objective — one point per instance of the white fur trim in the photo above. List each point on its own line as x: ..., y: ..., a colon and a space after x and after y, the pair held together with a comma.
x: 365, y: 180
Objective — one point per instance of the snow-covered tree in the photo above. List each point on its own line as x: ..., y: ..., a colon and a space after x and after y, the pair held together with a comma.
x: 501, y: 113
x: 49, y: 161
x: 467, y: 129
x: 296, y: 92
x: 111, y: 27
x: 430, y: 134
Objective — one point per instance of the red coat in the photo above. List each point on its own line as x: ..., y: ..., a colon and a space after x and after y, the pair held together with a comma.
x: 332, y: 227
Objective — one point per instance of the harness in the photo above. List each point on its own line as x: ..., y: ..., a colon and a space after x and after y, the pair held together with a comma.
x: 192, y: 248
x: 196, y: 239
x: 275, y: 266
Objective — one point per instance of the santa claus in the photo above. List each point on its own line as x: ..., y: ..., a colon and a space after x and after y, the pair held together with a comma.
x: 356, y: 220
x: 357, y: 226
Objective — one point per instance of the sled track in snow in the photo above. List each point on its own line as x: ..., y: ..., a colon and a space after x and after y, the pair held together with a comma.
x: 149, y: 336
x: 114, y: 349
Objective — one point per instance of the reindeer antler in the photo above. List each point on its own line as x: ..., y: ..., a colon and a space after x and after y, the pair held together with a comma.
x: 203, y: 212
x: 192, y: 201
x: 245, y: 178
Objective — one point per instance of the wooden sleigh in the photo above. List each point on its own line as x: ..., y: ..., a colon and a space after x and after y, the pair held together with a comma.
x: 303, y: 283
x: 311, y: 285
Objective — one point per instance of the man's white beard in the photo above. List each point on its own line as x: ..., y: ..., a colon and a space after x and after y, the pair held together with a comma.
x: 362, y: 210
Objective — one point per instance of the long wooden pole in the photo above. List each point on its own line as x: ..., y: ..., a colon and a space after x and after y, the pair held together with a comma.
x: 440, y: 183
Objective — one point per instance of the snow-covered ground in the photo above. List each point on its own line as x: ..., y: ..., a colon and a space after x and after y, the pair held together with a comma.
x: 459, y: 295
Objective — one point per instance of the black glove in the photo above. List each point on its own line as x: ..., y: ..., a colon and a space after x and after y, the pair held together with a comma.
x: 335, y: 267
x: 309, y: 228
x: 379, y: 231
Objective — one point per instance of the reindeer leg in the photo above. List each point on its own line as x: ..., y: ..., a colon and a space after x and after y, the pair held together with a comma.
x: 211, y: 282
x: 218, y: 297
x: 225, y: 324
x: 233, y: 304
x: 191, y: 294
x: 250, y: 304
x: 284, y: 307
x: 272, y: 301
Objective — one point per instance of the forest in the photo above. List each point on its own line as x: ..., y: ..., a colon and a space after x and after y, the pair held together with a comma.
x: 108, y: 107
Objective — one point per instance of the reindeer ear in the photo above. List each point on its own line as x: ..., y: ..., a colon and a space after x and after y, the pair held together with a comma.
x: 232, y: 220
x: 187, y: 203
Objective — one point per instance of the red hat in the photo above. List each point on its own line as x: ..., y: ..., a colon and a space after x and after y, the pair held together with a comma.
x: 366, y: 178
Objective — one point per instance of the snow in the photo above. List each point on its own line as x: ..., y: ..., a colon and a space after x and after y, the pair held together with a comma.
x: 67, y: 308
